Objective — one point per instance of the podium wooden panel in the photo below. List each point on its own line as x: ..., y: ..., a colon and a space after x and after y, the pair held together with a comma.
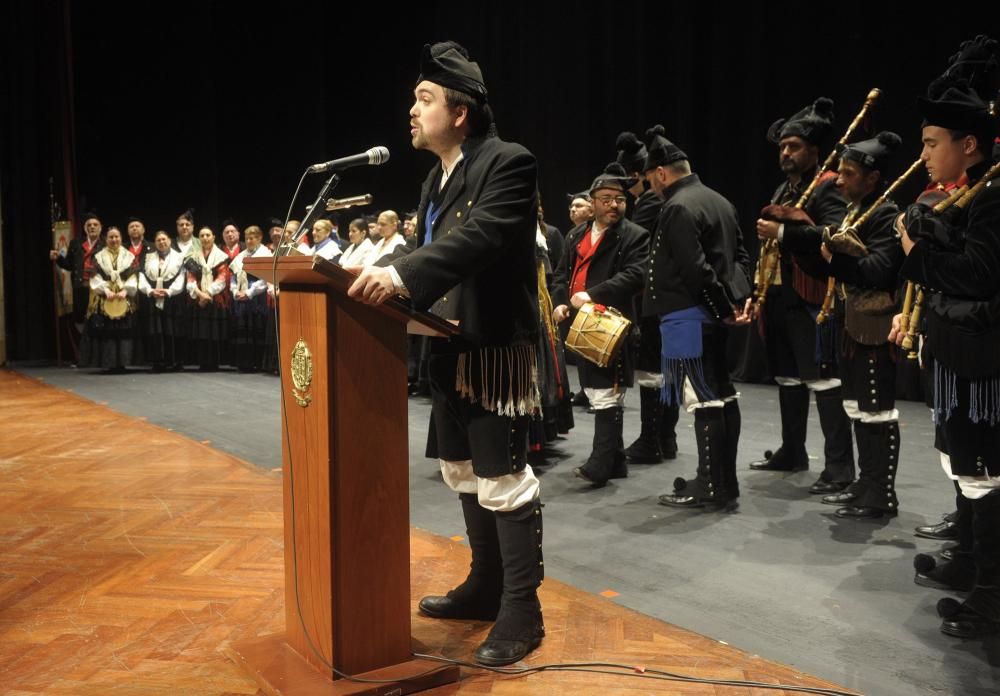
x: 346, y: 491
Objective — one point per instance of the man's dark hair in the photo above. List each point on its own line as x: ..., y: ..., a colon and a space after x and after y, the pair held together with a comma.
x: 984, y: 139
x: 480, y: 116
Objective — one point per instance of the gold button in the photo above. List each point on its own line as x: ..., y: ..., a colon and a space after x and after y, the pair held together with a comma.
x: 458, y: 214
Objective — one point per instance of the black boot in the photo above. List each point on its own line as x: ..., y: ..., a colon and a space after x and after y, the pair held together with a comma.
x: 646, y: 448
x: 667, y: 430
x: 793, y: 403
x: 708, y: 488
x: 873, y: 495
x: 838, y: 450
x: 979, y: 615
x: 518, y: 629
x: 479, y: 596
x: 734, y: 423
x: 607, y: 460
x: 959, y: 571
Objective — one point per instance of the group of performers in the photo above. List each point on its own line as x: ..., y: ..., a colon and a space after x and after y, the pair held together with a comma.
x: 180, y: 300
x: 655, y: 245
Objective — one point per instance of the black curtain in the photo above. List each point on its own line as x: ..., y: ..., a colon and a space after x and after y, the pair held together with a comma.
x: 220, y: 106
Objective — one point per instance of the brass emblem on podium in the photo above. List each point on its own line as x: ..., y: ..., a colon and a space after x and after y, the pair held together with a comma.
x: 302, y: 373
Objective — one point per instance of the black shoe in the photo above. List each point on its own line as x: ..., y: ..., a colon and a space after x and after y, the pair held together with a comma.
x: 581, y: 473
x: 496, y: 652
x: 778, y: 461
x: 968, y: 624
x: 947, y: 553
x: 839, y: 498
x: 822, y: 486
x: 680, y: 500
x: 644, y: 451
x: 958, y: 575
x: 853, y: 512
x: 943, y: 531
x: 450, y: 608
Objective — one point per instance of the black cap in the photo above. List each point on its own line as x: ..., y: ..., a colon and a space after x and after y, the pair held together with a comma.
x: 570, y: 197
x: 133, y: 218
x: 274, y: 222
x: 91, y: 215
x: 875, y: 153
x: 631, y: 152
x: 660, y: 152
x: 957, y: 100
x: 814, y: 124
x: 613, y: 176
x: 229, y: 221
x: 447, y: 64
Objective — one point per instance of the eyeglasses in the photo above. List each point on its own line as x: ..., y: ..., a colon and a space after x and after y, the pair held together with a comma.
x: 607, y: 200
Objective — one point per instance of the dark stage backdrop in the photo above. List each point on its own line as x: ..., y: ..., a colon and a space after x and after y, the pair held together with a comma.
x: 220, y: 106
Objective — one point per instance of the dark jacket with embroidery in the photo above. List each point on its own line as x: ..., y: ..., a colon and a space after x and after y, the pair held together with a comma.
x: 956, y: 259
x: 479, y: 268
x: 697, y: 255
x: 615, y: 274
x: 73, y: 261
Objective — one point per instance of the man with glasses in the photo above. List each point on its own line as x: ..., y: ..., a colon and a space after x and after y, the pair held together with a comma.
x: 603, y: 263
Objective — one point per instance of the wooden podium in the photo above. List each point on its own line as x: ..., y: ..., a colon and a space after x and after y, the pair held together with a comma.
x: 346, y: 491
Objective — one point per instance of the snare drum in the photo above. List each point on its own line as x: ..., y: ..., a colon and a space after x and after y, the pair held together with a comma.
x: 597, y: 333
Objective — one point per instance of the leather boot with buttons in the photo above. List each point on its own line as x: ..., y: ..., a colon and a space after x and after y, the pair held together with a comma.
x: 518, y: 629
x: 479, y: 596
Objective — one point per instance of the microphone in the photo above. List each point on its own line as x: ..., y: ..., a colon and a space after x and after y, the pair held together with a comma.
x: 376, y: 155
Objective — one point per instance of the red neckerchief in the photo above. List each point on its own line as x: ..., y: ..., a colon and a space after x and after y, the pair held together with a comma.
x: 136, y: 250
x: 584, y: 255
x: 232, y: 254
x: 88, y: 258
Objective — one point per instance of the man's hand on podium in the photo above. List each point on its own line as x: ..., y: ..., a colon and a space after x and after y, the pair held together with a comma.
x: 373, y: 285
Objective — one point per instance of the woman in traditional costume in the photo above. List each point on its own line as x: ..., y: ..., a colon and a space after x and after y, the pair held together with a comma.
x: 249, y: 313
x: 206, y: 268
x: 162, y: 282
x: 108, y: 334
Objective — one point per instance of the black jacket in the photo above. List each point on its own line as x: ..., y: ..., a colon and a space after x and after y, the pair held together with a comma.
x: 73, y: 261
x: 879, y: 269
x: 555, y: 242
x: 647, y: 207
x: 826, y: 207
x: 615, y: 273
x: 698, y: 257
x: 480, y: 266
x: 962, y: 278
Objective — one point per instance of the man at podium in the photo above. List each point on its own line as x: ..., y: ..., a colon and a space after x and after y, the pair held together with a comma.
x: 474, y: 264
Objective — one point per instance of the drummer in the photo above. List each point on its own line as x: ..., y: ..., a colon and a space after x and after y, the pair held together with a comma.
x: 603, y: 264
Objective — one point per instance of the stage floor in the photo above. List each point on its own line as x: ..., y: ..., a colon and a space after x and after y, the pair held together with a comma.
x: 190, y: 548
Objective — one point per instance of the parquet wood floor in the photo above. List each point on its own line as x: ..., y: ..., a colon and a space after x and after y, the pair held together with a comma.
x: 129, y: 555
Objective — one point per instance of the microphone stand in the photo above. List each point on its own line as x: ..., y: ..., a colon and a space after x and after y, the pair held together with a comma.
x: 314, y: 211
